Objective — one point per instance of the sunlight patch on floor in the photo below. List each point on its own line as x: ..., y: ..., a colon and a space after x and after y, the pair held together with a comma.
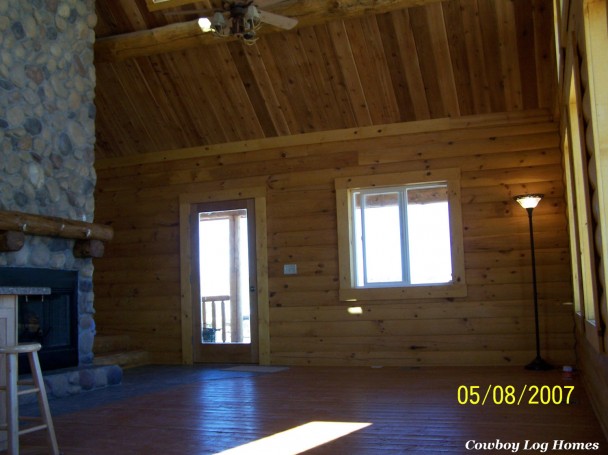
x: 298, y: 439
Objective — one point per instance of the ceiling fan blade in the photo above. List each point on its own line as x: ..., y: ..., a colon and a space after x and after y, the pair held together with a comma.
x: 189, y: 12
x: 277, y: 20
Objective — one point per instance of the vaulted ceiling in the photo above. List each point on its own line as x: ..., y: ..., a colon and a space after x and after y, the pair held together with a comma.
x: 163, y: 85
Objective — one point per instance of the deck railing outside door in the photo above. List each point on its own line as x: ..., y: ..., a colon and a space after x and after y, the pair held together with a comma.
x: 218, y: 314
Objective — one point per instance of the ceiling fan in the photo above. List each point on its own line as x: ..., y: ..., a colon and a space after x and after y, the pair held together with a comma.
x: 240, y: 19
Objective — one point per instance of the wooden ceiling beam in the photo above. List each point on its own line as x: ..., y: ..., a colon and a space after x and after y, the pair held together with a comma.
x: 184, y: 35
x: 160, y: 5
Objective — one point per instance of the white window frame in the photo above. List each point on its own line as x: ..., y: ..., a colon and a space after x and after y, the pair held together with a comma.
x: 346, y: 244
x: 401, y: 191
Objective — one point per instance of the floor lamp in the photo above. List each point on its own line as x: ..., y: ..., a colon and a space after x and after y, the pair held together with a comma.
x: 529, y: 202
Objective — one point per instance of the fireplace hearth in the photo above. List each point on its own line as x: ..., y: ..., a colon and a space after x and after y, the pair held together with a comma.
x: 51, y: 320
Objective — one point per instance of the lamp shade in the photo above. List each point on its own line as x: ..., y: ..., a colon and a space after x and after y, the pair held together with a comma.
x: 528, y: 201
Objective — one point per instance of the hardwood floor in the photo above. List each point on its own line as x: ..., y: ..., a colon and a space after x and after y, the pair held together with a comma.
x: 205, y: 410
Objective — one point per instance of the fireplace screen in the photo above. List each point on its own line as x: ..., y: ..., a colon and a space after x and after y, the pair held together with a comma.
x: 45, y: 320
x: 50, y: 320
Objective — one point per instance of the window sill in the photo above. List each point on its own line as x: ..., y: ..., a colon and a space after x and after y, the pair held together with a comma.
x: 400, y: 293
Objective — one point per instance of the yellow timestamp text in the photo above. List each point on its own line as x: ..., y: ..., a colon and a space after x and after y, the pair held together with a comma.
x: 512, y: 395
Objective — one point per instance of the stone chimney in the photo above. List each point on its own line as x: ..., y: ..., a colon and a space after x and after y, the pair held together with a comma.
x: 47, y: 133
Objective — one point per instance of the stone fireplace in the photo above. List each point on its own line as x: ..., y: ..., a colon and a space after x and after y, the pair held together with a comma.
x: 47, y: 136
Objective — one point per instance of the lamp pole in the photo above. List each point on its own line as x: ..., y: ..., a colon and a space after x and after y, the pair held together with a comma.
x: 529, y: 202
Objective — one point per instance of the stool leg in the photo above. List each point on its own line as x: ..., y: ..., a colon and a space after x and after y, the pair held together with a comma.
x: 12, y: 405
x: 43, y: 402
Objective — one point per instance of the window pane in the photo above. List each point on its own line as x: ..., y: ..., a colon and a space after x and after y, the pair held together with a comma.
x: 214, y: 253
x: 382, y: 238
x: 429, y: 235
x: 224, y: 277
x: 358, y: 238
x: 243, y: 335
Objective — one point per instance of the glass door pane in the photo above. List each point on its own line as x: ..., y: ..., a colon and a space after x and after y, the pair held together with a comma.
x: 224, y: 277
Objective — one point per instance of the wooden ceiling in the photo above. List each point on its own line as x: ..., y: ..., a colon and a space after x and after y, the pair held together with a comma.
x: 163, y: 85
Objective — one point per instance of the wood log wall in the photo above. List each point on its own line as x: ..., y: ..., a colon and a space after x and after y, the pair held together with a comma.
x: 138, y: 281
x: 583, y: 37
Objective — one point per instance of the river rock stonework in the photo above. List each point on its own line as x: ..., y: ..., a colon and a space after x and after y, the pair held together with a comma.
x: 47, y: 132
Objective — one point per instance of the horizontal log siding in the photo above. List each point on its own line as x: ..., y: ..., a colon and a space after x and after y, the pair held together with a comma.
x: 138, y: 280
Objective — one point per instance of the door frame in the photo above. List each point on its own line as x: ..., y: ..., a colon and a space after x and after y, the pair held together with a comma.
x: 186, y: 201
x: 226, y: 352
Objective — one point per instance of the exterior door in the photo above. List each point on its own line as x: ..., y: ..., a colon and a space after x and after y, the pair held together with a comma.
x: 225, y: 314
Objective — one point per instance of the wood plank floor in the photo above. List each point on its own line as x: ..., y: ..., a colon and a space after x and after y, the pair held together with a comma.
x: 196, y: 410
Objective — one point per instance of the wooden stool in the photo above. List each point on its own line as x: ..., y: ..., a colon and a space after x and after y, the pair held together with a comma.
x: 11, y: 354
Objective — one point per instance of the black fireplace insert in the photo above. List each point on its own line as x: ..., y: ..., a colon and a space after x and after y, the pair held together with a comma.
x: 51, y: 320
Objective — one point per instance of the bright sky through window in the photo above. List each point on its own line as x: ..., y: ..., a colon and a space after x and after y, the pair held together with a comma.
x: 214, y: 251
x: 429, y: 243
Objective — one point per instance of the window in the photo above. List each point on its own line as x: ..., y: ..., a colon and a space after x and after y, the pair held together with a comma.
x: 583, y: 158
x: 400, y: 235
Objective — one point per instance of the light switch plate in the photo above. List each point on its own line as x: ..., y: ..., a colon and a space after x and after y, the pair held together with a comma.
x: 290, y: 269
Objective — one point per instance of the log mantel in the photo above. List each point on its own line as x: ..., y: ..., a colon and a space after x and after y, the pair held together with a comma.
x: 49, y: 226
x: 54, y: 226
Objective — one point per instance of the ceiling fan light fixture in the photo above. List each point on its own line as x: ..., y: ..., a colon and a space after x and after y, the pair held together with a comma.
x: 205, y: 24
x: 244, y: 23
x: 218, y: 24
x: 252, y: 15
x: 240, y: 19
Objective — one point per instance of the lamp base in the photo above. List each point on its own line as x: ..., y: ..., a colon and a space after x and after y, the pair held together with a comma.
x: 538, y: 364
